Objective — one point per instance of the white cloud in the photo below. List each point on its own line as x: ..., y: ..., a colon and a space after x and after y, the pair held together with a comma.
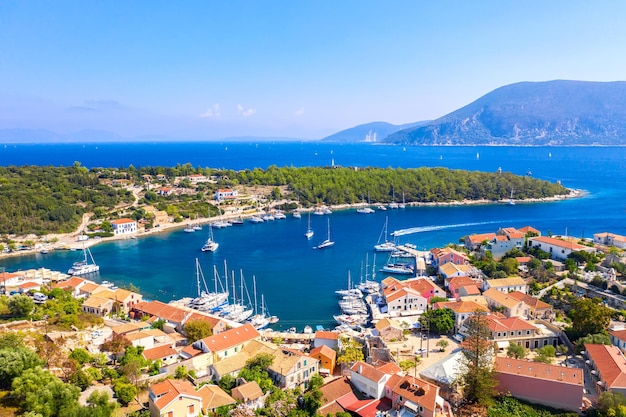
x: 213, y: 111
x: 244, y: 112
x: 299, y: 112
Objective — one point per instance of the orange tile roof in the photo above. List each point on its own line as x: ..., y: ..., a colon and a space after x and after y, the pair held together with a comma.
x: 461, y: 281
x: 191, y: 351
x: 214, y: 397
x: 529, y: 300
x: 125, y: 220
x: 513, y: 233
x: 213, y: 321
x: 610, y: 363
x: 619, y: 334
x: 324, y: 334
x: 334, y: 390
x: 389, y: 368
x: 159, y: 352
x: 170, y: 389
x: 161, y: 310
x: 73, y: 282
x: 29, y: 284
x: 527, y: 229
x: 247, y: 392
x: 559, y: 243
x: 501, y: 298
x: 417, y: 391
x: 479, y: 238
x: 506, y: 324
x: 230, y: 338
x: 539, y: 370
x: 323, y: 351
x: 367, y: 371
x: 471, y: 289
x: 461, y: 306
x: 523, y: 259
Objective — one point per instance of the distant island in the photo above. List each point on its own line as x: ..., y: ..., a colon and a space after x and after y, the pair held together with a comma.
x: 552, y: 113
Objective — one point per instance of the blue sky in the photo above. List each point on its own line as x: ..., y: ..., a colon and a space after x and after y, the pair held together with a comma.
x: 301, y: 69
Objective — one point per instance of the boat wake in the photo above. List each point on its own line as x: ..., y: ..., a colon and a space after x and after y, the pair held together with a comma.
x: 422, y: 229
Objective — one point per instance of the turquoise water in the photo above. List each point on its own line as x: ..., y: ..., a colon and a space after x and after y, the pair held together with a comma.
x: 298, y: 282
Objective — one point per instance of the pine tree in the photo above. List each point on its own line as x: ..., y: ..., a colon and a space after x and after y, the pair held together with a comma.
x: 478, y: 377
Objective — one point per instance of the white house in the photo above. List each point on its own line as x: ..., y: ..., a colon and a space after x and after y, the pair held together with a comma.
x: 557, y: 248
x: 369, y: 380
x: 124, y: 226
x: 610, y: 239
x: 506, y: 285
x: 226, y: 194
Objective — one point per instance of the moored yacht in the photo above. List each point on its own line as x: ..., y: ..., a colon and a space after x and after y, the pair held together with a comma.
x: 84, y: 267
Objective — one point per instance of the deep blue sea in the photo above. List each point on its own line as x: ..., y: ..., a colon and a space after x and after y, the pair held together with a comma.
x: 298, y: 282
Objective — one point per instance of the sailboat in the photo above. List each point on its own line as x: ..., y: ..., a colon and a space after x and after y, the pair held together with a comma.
x: 309, y: 232
x: 262, y: 318
x: 511, y: 202
x: 206, y: 301
x: 84, y: 267
x: 366, y: 209
x: 386, y: 245
x: 210, y: 245
x: 197, y: 225
x: 393, y: 205
x: 403, y: 204
x: 189, y: 228
x: 327, y: 243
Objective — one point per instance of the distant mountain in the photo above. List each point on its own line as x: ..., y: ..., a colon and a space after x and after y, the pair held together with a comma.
x: 531, y: 113
x: 369, y: 132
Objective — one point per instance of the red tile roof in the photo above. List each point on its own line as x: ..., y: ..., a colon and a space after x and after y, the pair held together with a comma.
x: 417, y: 391
x: 122, y: 221
x: 367, y: 371
x: 159, y: 352
x: 324, y: 351
x: 610, y: 363
x: 539, y: 370
x: 230, y: 338
x: 559, y: 243
x: 324, y: 334
x: 170, y: 389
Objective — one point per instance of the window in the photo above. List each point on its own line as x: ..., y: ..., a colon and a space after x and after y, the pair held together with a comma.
x: 190, y: 408
x: 170, y: 414
x: 305, y: 362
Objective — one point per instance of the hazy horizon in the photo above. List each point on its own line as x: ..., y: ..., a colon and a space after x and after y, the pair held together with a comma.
x: 301, y: 70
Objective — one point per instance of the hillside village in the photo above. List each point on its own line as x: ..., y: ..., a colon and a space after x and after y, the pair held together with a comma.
x: 407, y: 363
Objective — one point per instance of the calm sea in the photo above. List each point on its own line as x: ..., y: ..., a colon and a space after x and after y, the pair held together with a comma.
x: 298, y: 282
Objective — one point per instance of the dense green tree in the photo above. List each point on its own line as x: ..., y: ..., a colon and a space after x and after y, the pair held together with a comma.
x: 227, y: 383
x: 196, y: 330
x: 14, y: 361
x: 256, y: 370
x: 589, y: 316
x: 593, y: 339
x: 124, y: 392
x: 477, y: 378
x: 440, y: 320
x: 20, y: 305
x: 516, y: 351
x: 40, y: 392
x: 81, y: 356
x: 545, y: 354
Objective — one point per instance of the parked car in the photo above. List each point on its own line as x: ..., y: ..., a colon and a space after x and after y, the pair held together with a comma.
x: 420, y: 351
x: 458, y: 337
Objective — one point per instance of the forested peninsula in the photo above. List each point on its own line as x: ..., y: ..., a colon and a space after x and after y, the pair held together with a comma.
x: 45, y: 199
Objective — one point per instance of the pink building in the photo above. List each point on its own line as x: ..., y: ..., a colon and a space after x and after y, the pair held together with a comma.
x: 550, y: 385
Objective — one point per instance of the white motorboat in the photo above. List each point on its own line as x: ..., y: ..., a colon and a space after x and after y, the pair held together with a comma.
x: 256, y: 219
x: 326, y: 243
x: 84, y: 267
x: 279, y: 215
x: 399, y: 268
x: 365, y: 210
x: 189, y: 229
x: 297, y: 215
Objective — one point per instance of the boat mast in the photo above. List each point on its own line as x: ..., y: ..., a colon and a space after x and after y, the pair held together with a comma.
x: 254, y: 284
x: 198, y: 276
x: 374, y: 268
